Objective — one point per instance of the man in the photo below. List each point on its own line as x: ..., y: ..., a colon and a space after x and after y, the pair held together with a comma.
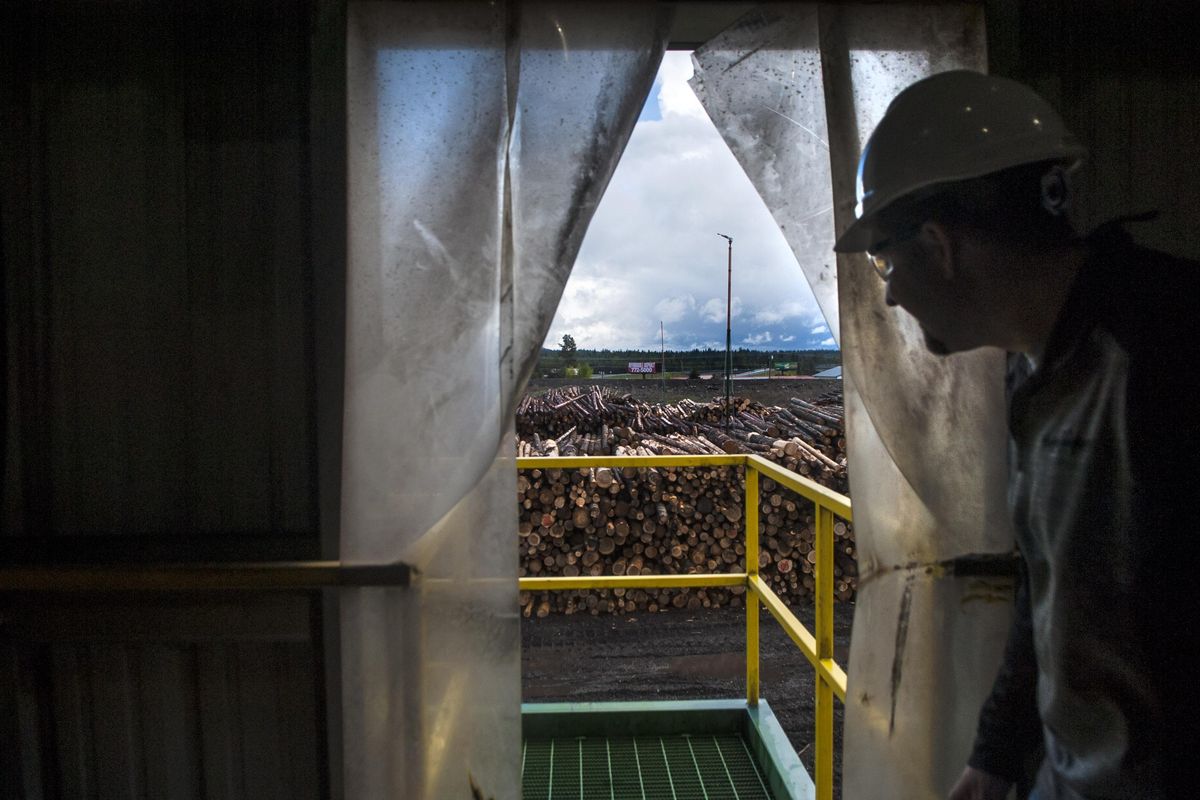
x: 963, y: 189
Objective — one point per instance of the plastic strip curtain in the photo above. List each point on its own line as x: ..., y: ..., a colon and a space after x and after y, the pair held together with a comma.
x: 926, y: 435
x: 480, y: 138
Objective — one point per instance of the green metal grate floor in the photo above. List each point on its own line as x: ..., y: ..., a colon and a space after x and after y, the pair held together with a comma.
x: 678, y: 767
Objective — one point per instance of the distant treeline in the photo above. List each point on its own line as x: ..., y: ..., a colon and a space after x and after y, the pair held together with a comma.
x: 793, y: 362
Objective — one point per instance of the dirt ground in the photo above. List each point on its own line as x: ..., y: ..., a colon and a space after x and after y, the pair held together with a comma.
x: 676, y: 655
x: 774, y: 392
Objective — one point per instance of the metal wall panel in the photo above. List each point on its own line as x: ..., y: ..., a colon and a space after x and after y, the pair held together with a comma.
x: 191, y: 702
x: 1125, y: 78
x: 172, y: 264
x: 158, y: 260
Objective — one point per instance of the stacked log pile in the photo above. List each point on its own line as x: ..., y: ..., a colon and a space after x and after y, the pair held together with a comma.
x: 807, y: 438
x: 631, y: 521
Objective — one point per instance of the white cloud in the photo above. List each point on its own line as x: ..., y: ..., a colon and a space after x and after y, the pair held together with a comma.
x: 788, y: 338
x: 757, y: 339
x: 778, y: 313
x: 828, y: 342
x: 718, y: 309
x: 820, y: 329
x: 673, y: 309
x: 676, y: 97
x: 581, y: 312
x: 651, y: 252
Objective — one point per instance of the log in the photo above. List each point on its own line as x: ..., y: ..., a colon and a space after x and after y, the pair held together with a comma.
x: 633, y: 521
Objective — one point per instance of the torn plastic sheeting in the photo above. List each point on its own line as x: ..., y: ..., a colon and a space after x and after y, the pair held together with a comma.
x: 760, y: 82
x: 586, y: 69
x: 909, y: 694
x: 926, y: 435
x: 941, y: 420
x: 479, y: 139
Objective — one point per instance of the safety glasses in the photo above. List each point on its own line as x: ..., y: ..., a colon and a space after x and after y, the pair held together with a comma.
x: 877, y: 252
x: 883, y: 266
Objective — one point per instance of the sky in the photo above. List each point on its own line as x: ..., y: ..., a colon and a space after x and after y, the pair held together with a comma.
x: 652, y: 252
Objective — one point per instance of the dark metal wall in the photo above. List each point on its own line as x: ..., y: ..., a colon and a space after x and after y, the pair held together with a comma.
x: 1126, y: 79
x: 172, y: 247
x: 160, y: 272
x: 184, y: 699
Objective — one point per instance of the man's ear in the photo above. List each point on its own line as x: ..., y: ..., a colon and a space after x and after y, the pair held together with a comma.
x: 939, y: 247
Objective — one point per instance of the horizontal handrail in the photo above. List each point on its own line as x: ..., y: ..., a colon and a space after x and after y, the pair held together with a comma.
x: 691, y: 579
x: 807, y: 488
x: 584, y: 462
x: 790, y: 623
x: 266, y: 575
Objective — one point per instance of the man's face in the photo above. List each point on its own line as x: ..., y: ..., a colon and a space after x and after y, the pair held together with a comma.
x: 924, y: 276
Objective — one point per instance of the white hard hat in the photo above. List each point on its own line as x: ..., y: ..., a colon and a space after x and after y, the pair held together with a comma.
x: 949, y: 127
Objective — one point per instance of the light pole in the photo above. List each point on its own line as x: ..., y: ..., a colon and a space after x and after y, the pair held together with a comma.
x: 728, y: 330
x: 663, y: 337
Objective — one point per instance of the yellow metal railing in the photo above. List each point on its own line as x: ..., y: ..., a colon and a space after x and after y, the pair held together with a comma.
x: 817, y: 647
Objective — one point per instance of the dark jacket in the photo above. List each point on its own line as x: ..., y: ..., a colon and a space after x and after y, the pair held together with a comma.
x: 1104, y: 446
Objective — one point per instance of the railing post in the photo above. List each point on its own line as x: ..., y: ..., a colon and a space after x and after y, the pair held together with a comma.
x: 830, y: 679
x: 824, y: 638
x: 751, y: 517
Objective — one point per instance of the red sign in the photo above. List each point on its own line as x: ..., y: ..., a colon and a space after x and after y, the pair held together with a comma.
x: 642, y: 367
